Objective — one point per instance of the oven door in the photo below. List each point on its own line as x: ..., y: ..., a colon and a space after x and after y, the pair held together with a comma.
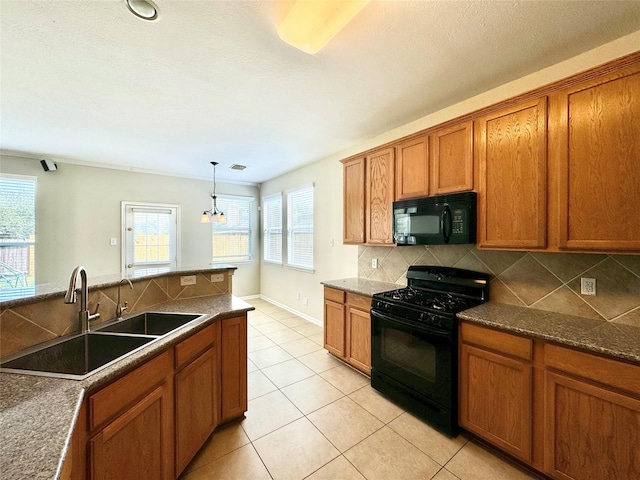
x: 420, y: 357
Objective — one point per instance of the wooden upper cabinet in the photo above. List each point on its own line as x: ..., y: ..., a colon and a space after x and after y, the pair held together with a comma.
x: 380, y: 195
x: 452, y: 159
x: 412, y: 168
x: 354, y: 200
x: 596, y: 143
x: 511, y: 150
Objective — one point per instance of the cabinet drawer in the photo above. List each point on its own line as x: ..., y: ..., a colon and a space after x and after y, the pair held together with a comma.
x: 111, y: 400
x: 593, y: 367
x: 190, y: 348
x: 359, y: 301
x: 502, y: 342
x: 334, y: 295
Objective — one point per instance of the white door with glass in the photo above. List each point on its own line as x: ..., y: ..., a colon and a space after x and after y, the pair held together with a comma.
x: 150, y: 240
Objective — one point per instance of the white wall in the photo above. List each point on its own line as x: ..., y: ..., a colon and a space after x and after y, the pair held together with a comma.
x: 78, y: 210
x: 282, y: 284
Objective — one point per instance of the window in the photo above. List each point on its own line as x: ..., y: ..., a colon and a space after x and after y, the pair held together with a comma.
x: 272, y: 221
x: 17, y: 235
x: 232, y: 239
x: 150, y: 237
x: 300, y: 227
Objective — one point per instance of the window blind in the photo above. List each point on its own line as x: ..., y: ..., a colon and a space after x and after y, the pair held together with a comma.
x: 272, y: 222
x: 152, y: 237
x: 300, y: 227
x: 232, y: 239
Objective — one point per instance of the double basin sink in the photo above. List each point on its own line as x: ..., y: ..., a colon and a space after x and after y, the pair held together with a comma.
x: 81, y: 355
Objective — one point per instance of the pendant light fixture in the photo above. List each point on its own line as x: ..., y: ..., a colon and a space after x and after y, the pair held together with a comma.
x: 213, y: 215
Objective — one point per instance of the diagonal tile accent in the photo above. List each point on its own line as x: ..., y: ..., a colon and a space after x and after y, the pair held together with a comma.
x: 529, y: 280
x: 498, y: 262
x: 565, y: 300
x: 567, y: 266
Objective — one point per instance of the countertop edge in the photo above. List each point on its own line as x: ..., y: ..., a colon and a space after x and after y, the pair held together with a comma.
x: 601, y: 337
x: 361, y: 286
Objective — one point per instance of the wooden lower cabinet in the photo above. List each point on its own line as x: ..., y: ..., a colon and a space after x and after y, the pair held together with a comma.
x: 131, y: 424
x: 196, y: 393
x: 149, y: 423
x: 347, y: 327
x: 580, y: 422
x: 496, y: 399
x: 138, y: 443
x: 334, y: 321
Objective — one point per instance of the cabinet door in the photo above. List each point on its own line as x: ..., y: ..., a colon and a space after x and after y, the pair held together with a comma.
x: 359, y: 339
x: 590, y: 432
x: 496, y: 399
x: 334, y: 328
x: 354, y: 201
x: 453, y: 159
x: 380, y: 187
x: 138, y: 443
x: 233, y: 368
x: 412, y: 168
x: 596, y: 141
x: 196, y: 406
x: 511, y: 149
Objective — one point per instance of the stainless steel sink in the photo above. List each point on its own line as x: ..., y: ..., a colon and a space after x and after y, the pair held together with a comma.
x: 76, y: 357
x: 150, y: 323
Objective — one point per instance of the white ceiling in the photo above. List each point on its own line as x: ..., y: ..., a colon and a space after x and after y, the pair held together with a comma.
x: 86, y: 81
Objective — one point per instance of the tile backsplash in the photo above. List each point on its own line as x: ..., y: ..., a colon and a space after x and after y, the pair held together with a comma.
x: 26, y: 325
x: 546, y: 281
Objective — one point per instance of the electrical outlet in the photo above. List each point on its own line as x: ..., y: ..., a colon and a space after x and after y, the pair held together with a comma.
x: 331, y: 242
x: 298, y: 295
x: 187, y: 280
x: 217, y: 277
x: 588, y: 286
x: 374, y: 263
x: 305, y: 300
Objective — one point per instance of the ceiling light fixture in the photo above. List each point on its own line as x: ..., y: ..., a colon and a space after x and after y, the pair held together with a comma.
x: 311, y: 24
x: 142, y: 9
x: 213, y: 215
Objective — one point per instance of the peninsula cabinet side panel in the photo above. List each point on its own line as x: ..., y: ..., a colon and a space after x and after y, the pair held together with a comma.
x: 233, y: 368
x: 596, y: 148
x: 511, y: 151
x: 591, y: 432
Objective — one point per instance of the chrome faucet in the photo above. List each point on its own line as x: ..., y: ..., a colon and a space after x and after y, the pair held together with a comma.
x: 119, y: 307
x: 84, y: 315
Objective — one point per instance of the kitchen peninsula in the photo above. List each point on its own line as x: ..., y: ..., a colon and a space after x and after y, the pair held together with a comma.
x: 47, y: 424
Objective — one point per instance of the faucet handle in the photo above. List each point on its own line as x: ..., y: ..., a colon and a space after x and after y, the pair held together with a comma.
x: 95, y: 313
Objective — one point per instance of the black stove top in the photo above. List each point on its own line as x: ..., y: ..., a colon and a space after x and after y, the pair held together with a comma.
x: 434, y: 295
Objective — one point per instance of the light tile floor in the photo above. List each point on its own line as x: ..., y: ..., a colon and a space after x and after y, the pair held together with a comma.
x: 312, y: 417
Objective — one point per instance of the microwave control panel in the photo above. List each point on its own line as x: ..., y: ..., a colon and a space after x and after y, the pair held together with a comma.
x: 458, y: 216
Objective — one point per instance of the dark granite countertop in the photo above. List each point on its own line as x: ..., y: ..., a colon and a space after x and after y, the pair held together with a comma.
x: 360, y: 286
x: 597, y: 336
x: 37, y: 414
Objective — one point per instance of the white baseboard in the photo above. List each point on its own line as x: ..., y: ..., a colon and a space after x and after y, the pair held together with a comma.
x: 289, y: 309
x: 249, y: 297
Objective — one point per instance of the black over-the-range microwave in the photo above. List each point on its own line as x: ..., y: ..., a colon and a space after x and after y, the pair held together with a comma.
x: 443, y: 219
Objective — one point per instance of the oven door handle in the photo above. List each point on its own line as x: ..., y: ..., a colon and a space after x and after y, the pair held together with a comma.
x: 436, y: 332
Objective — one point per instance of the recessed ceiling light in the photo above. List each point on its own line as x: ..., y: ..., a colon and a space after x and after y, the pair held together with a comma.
x: 235, y: 166
x: 143, y: 9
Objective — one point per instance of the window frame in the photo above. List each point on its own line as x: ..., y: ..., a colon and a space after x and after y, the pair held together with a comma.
x: 223, y: 199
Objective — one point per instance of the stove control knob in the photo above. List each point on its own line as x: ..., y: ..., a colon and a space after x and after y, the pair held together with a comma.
x: 387, y: 307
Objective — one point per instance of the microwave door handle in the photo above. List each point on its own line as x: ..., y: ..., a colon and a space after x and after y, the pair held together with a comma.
x: 446, y: 224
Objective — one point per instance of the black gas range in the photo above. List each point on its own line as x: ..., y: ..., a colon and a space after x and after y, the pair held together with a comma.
x: 414, y: 340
